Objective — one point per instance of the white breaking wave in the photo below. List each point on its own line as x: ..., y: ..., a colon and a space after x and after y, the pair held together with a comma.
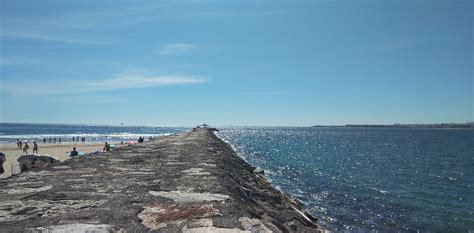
x: 88, y: 136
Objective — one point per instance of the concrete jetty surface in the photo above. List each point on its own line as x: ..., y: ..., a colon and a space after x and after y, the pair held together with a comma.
x: 187, y: 182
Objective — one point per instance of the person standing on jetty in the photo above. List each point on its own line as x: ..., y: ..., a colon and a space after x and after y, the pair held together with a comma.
x: 26, y: 148
x: 35, y: 148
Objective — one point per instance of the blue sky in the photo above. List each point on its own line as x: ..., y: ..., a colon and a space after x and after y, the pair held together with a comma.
x: 268, y: 63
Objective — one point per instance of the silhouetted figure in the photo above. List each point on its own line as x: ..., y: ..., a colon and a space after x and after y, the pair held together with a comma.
x: 59, y: 140
x: 106, y: 147
x: 54, y: 140
x: 74, y: 152
x: 49, y: 140
x: 140, y: 140
x: 26, y: 148
x: 73, y: 139
x: 18, y: 143
x: 24, y: 168
x: 44, y: 140
x: 35, y: 148
x: 77, y: 139
x: 21, y: 144
x: 2, y: 160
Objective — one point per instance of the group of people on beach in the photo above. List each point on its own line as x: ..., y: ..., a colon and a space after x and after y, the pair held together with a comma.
x: 25, y: 147
x: 83, y: 139
x: 59, y: 139
x: 52, y: 140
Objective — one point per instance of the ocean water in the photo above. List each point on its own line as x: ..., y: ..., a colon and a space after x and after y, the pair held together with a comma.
x: 29, y: 132
x: 355, y: 179
x: 370, y: 179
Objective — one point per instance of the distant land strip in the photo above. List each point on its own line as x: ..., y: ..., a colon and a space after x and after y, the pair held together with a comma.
x: 438, y: 126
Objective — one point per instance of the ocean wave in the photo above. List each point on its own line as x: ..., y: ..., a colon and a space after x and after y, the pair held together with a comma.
x: 89, y: 136
x: 380, y: 190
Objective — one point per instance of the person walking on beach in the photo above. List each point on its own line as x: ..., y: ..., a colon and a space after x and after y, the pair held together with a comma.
x: 26, y: 148
x: 21, y: 144
x: 54, y: 140
x: 18, y: 143
x: 77, y: 139
x: 59, y: 140
x: 35, y: 148
x: 73, y: 139
x: 49, y: 140
x: 44, y: 140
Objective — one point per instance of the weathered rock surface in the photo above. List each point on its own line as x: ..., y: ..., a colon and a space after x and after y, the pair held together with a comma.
x: 188, y: 182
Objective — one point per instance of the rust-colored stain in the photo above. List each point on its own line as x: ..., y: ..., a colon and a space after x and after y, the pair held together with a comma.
x: 159, y: 215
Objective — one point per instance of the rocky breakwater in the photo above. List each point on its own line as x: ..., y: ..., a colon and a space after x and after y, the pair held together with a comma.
x: 188, y: 182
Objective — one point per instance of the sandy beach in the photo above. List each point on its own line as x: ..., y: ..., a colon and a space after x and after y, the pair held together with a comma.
x: 60, y: 151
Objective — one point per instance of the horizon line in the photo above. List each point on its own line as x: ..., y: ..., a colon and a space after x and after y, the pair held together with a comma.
x: 282, y: 126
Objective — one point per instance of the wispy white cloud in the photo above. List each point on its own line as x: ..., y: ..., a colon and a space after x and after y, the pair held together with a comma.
x: 397, y: 44
x: 87, y: 86
x: 265, y: 93
x: 207, y: 14
x: 103, y: 62
x: 191, y: 15
x: 136, y: 81
x: 110, y: 17
x: 87, y: 98
x: 16, y: 61
x: 172, y: 49
x: 72, y: 26
x: 50, y: 37
x: 400, y: 44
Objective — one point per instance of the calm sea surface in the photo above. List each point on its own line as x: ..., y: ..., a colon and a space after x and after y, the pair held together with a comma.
x: 364, y: 179
x: 357, y: 179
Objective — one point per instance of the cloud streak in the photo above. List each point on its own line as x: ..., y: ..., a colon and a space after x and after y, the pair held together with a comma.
x: 172, y: 49
x: 70, y: 26
x: 119, y: 83
x: 265, y: 93
x: 209, y: 14
x: 18, y: 61
x: 53, y: 38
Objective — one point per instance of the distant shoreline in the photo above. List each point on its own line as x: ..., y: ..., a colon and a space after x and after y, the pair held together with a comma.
x: 409, y: 126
